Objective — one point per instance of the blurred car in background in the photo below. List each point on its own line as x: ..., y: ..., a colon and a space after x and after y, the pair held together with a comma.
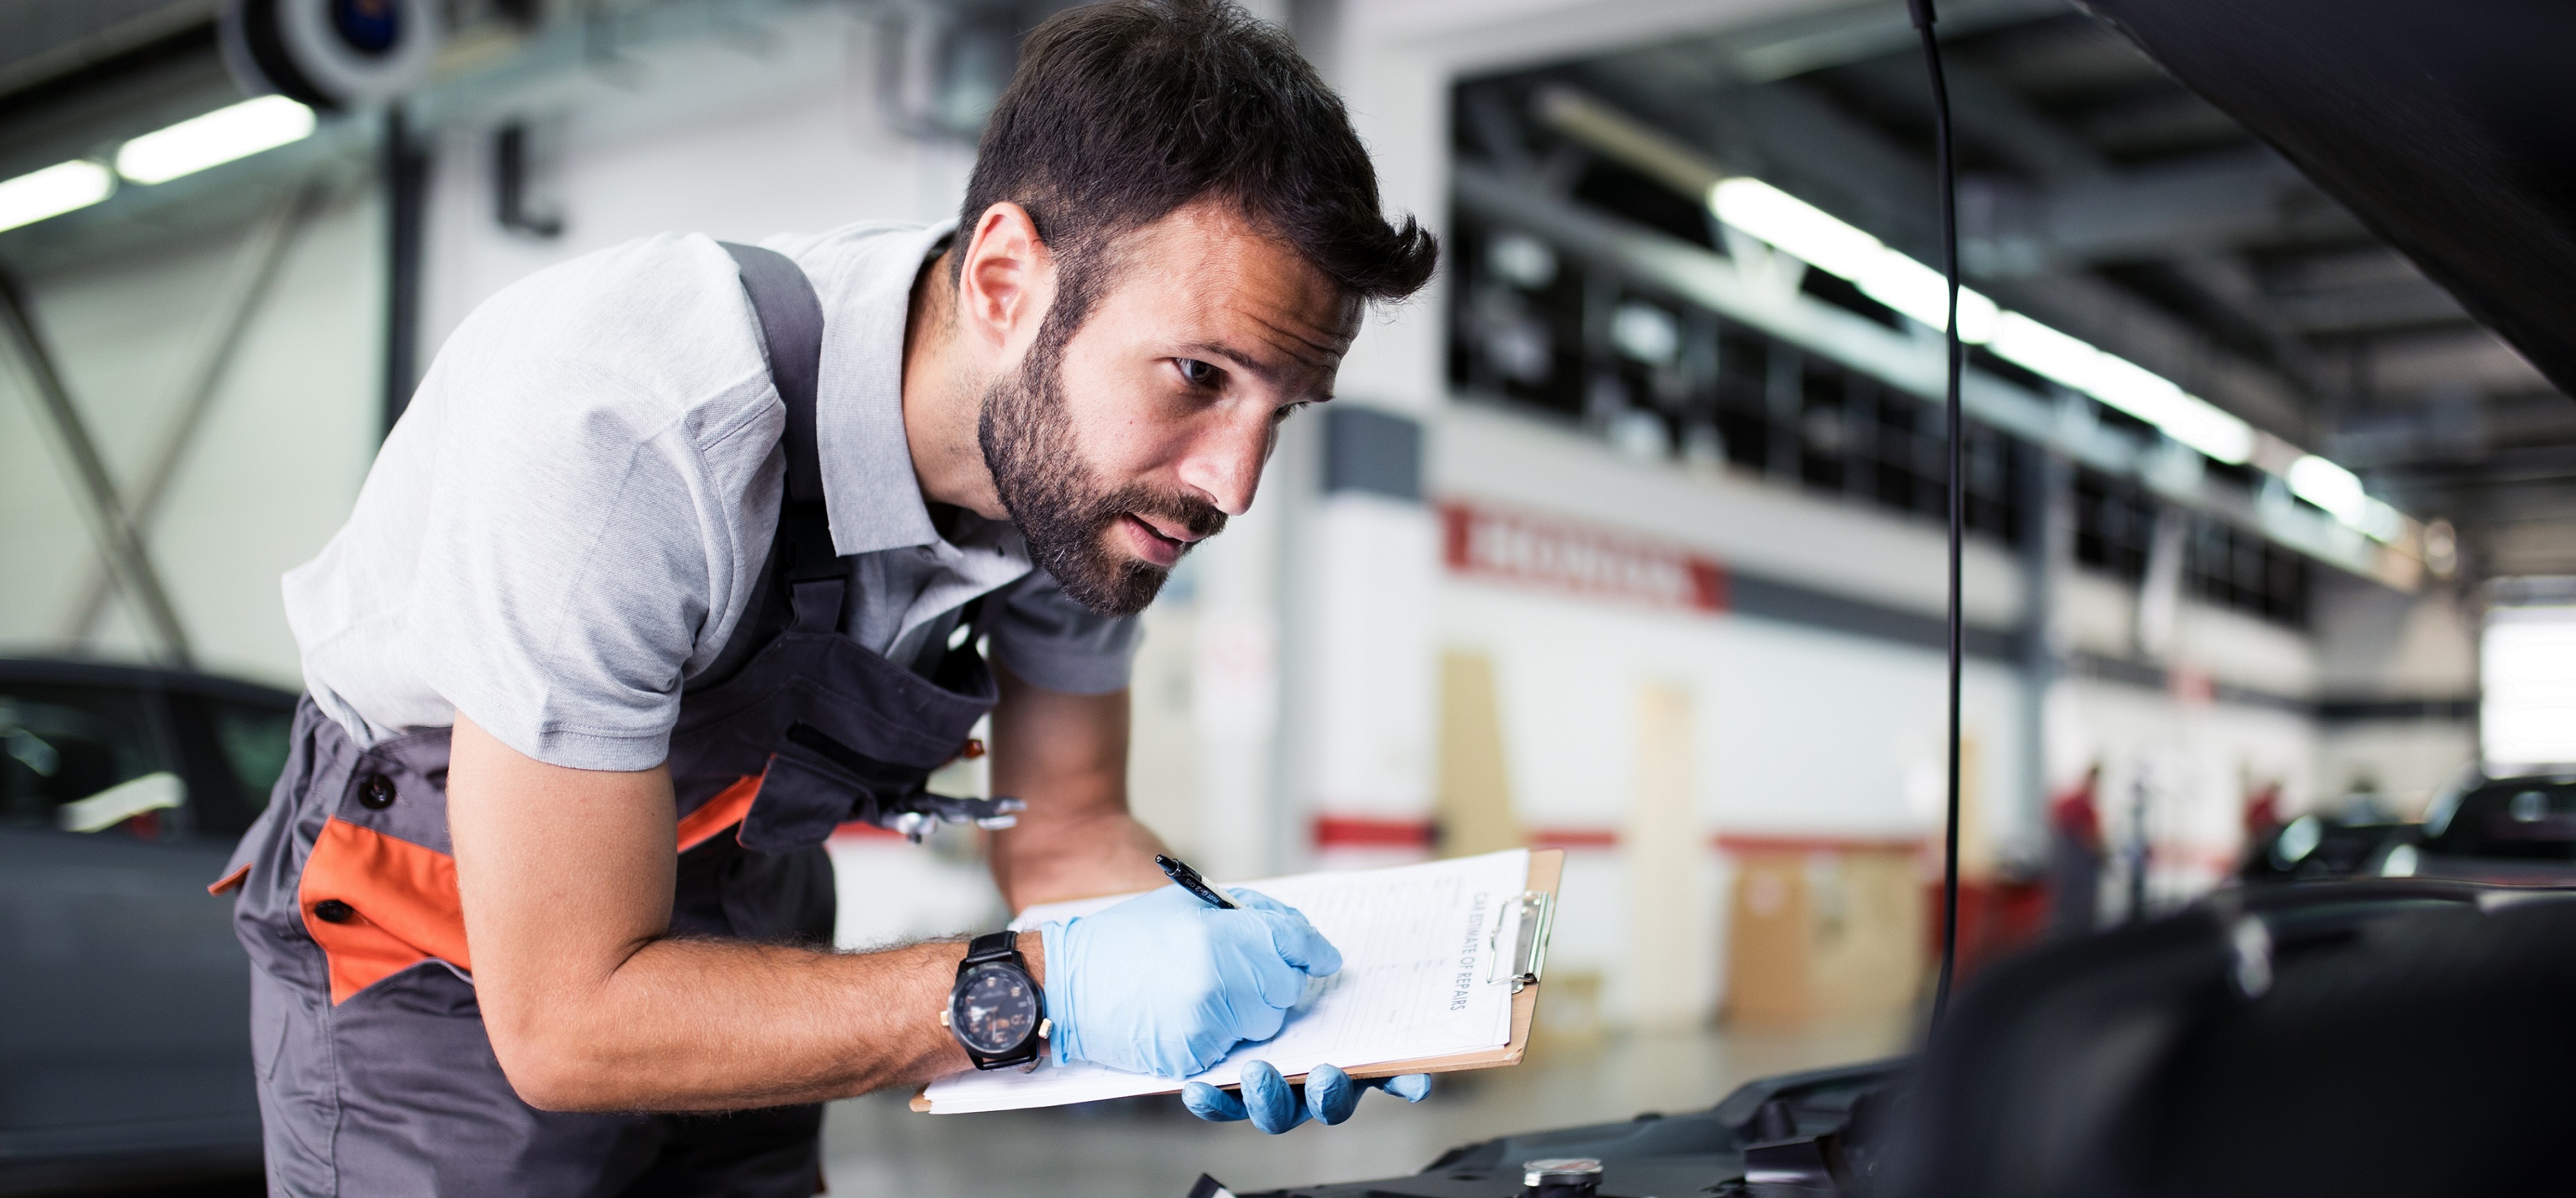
x: 2324, y: 847
x: 2510, y: 831
x: 124, y: 1023
x: 2515, y: 831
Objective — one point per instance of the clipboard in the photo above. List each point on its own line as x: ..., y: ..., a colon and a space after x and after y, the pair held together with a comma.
x: 1529, y: 965
x: 1536, y: 907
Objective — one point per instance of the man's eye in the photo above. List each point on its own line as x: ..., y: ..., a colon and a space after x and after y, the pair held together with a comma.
x: 1199, y: 374
x: 1287, y: 410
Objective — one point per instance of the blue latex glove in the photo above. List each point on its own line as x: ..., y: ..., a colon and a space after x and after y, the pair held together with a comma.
x: 1275, y: 1106
x: 1166, y: 984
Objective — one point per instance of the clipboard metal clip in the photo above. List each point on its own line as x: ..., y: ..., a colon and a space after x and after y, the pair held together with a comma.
x: 1533, y: 917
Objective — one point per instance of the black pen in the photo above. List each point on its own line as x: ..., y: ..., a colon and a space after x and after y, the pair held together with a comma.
x: 1188, y: 879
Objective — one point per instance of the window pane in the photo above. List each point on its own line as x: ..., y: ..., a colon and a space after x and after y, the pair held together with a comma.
x: 2528, y: 667
x: 62, y: 744
x: 255, y: 742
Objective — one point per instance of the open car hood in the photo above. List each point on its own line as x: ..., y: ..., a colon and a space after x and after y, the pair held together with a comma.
x: 2447, y: 127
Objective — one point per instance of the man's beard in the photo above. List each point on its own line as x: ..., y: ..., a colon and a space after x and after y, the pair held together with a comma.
x: 1064, y: 510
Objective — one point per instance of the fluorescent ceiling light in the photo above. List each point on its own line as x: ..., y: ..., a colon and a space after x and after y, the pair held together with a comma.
x: 2384, y: 523
x: 1923, y: 293
x: 1804, y: 231
x: 2045, y: 352
x: 2331, y: 487
x: 53, y: 191
x: 2187, y: 418
x: 2335, y: 489
x: 2204, y: 426
x: 218, y: 137
x: 1818, y: 238
x: 1795, y: 226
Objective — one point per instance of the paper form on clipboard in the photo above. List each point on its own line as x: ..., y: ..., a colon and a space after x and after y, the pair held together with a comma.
x: 1439, y: 962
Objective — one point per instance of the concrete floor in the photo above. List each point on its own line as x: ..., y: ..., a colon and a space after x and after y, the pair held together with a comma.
x: 1150, y: 1148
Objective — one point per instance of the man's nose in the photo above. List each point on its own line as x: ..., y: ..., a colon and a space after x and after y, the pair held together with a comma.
x: 1225, y: 463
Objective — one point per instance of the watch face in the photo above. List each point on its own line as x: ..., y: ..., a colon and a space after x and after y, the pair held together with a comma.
x: 995, y: 1010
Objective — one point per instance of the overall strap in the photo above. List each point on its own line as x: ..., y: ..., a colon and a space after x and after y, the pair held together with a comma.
x: 791, y: 324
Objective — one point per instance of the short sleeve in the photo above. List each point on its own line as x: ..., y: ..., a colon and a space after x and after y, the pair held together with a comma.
x: 577, y: 542
x: 1045, y: 637
x: 556, y: 602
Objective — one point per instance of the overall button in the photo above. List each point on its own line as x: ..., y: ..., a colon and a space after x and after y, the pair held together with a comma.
x: 376, y: 792
x: 334, y: 911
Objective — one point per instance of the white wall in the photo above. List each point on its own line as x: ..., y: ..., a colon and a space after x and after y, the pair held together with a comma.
x: 2403, y: 761
x: 270, y: 474
x: 2099, y: 615
x: 2383, y: 644
x: 2379, y: 644
x: 733, y: 138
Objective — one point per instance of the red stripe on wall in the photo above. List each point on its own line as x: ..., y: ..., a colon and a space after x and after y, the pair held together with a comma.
x: 1574, y: 838
x: 1554, y: 554
x: 1770, y: 843
x: 1351, y: 831
x: 1355, y: 831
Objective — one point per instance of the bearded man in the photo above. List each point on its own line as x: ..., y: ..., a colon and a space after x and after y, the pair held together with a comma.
x: 687, y: 553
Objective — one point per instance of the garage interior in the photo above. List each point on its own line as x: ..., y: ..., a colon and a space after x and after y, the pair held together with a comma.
x: 1626, y: 538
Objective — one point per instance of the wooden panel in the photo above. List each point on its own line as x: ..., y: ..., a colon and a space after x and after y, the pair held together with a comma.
x: 1669, y: 938
x: 1474, y: 802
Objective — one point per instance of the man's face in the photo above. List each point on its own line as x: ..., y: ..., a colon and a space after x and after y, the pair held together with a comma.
x: 1119, y: 446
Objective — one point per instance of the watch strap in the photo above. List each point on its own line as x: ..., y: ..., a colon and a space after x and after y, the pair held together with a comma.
x: 991, y: 946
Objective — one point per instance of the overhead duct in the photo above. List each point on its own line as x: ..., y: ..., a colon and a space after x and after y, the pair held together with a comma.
x: 332, y: 54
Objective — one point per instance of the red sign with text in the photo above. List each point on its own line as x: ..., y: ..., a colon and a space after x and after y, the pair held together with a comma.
x: 1573, y: 559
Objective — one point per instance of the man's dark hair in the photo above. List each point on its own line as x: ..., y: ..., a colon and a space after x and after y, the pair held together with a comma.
x: 1122, y: 112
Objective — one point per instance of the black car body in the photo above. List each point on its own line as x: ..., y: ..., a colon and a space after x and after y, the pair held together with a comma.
x: 2322, y: 848
x: 124, y: 1047
x: 2509, y: 831
x: 2267, y: 1040
x: 2517, y: 831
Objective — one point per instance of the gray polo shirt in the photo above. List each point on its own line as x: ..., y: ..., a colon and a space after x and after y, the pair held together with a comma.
x: 571, y: 517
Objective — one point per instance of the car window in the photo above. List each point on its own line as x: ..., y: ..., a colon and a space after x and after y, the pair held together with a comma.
x: 84, y: 758
x: 2533, y: 819
x: 255, y: 741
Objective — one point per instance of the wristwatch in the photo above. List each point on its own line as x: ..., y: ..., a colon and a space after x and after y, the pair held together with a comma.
x: 996, y: 1010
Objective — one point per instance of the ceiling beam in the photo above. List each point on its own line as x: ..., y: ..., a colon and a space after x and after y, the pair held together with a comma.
x: 44, y: 41
x: 2218, y: 202
x: 2406, y: 304
x: 2439, y: 361
x: 1988, y: 113
x: 1780, y: 49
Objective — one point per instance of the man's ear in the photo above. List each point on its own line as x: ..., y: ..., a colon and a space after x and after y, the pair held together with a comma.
x: 1006, y: 279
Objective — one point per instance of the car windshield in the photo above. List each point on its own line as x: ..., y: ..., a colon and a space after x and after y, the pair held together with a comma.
x: 2525, y: 819
x: 61, y: 746
x: 255, y: 741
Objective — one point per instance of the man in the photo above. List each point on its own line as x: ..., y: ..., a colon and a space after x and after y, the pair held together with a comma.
x: 681, y: 556
x: 2075, y: 856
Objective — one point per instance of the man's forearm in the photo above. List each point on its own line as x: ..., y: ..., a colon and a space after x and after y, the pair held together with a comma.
x: 707, y: 1025
x: 1066, y: 755
x: 591, y: 1004
x: 1079, y: 854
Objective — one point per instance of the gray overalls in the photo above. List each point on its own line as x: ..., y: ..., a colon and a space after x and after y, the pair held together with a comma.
x: 375, y: 1076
